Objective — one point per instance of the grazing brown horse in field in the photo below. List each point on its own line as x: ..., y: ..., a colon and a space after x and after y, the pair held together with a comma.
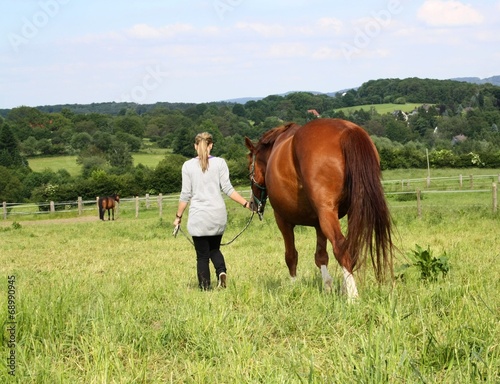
x: 316, y: 174
x: 108, y: 204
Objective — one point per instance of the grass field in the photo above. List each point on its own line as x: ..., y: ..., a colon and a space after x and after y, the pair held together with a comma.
x: 117, y: 302
x: 382, y: 109
x: 38, y: 164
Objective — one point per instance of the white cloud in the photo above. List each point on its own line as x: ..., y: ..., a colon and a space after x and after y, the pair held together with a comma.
x: 449, y: 13
x: 326, y: 53
x: 144, y: 31
x: 330, y: 24
x: 286, y: 50
x: 266, y: 30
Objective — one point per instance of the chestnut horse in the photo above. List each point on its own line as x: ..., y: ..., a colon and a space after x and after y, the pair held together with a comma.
x: 107, y: 203
x: 314, y: 175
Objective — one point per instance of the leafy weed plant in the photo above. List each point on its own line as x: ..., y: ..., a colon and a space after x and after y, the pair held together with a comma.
x: 429, y: 266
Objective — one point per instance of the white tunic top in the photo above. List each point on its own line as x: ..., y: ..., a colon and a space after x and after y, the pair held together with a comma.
x: 207, y: 210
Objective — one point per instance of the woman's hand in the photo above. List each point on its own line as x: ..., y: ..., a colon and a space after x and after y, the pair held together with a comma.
x: 248, y: 205
x: 178, y: 219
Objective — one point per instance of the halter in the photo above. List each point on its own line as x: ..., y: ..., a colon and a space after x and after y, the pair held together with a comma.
x: 263, y: 191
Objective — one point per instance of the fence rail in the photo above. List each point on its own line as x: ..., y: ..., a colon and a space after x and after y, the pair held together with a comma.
x: 411, y: 188
x: 80, y: 206
x: 444, y: 182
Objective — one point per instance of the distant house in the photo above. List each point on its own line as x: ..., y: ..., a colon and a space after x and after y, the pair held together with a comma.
x: 398, y: 113
x: 314, y: 112
x: 426, y: 107
x: 458, y: 139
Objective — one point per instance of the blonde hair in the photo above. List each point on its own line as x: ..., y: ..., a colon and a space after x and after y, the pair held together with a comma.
x: 203, y: 140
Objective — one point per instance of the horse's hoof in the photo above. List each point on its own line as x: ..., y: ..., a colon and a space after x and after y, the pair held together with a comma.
x: 329, y: 286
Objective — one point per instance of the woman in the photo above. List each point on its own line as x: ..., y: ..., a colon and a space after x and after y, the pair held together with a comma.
x: 203, y: 178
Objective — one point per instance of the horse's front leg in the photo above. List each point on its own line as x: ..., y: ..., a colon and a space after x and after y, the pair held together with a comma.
x: 113, y: 213
x: 321, y: 259
x: 291, y: 254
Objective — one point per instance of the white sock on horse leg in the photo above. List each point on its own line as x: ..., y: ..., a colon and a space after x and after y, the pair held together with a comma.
x: 327, y: 279
x: 349, y: 284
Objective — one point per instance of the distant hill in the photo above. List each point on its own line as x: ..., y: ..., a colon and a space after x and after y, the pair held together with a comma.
x: 244, y: 100
x: 413, y: 90
x: 495, y: 80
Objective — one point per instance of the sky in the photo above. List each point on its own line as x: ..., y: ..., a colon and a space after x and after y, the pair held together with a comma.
x: 148, y: 51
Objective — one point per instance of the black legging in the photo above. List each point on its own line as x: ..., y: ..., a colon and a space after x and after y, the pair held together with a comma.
x: 208, y: 248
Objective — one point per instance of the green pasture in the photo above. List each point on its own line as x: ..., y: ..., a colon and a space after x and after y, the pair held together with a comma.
x: 382, y: 109
x: 68, y: 163
x: 117, y: 302
x: 150, y: 158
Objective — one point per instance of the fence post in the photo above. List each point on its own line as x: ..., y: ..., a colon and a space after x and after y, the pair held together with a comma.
x: 52, y: 207
x: 428, y: 181
x: 97, y: 203
x: 80, y: 206
x: 471, y: 177
x: 495, y: 198
x: 136, y: 207
x: 147, y: 200
x: 160, y: 203
x: 461, y: 181
x: 419, y: 206
x: 4, y: 204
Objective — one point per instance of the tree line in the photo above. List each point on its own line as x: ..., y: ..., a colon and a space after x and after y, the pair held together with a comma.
x: 457, y: 123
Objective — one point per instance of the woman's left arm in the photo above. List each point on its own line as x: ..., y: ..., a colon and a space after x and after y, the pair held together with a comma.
x: 229, y: 189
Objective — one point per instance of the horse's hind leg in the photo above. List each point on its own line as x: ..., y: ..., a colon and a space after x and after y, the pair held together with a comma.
x: 331, y: 228
x: 321, y: 259
x: 113, y: 213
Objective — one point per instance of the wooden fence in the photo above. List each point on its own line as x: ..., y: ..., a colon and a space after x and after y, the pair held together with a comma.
x: 478, y: 184
x: 148, y: 202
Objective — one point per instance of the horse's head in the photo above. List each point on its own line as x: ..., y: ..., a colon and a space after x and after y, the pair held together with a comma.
x: 257, y: 162
x: 117, y: 198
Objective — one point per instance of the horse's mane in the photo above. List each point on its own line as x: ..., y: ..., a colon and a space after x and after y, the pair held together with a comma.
x: 270, y: 136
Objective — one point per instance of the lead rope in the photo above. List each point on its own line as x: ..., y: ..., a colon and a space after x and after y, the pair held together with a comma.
x: 178, y: 229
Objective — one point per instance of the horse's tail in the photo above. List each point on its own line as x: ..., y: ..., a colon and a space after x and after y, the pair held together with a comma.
x: 368, y: 217
x: 100, y: 203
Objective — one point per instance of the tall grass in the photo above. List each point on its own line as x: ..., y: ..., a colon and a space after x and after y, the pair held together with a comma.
x: 117, y: 302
